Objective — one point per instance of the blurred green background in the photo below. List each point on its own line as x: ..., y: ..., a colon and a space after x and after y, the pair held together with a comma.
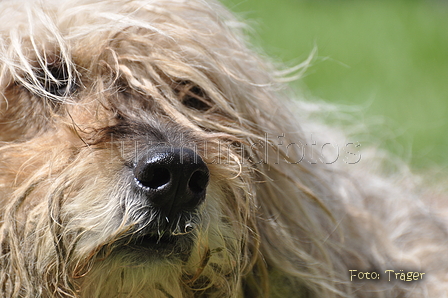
x: 388, y: 57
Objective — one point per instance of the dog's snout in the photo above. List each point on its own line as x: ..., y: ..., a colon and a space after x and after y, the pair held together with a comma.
x: 172, y: 179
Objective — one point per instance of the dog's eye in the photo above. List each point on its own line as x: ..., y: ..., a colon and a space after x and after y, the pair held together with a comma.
x: 56, y: 80
x: 193, y: 97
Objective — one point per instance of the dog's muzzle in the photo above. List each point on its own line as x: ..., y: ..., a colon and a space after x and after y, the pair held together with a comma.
x: 170, y: 184
x: 172, y: 180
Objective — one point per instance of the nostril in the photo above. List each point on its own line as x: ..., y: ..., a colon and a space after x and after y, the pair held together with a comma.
x: 198, y: 181
x: 154, y: 177
x: 171, y: 179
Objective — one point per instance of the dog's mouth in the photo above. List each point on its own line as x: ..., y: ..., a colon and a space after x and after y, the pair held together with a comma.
x: 160, y: 244
x: 152, y: 241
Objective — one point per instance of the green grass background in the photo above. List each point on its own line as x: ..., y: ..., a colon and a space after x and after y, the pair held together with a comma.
x: 389, y: 57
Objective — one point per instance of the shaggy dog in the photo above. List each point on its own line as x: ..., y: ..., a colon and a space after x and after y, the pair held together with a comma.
x: 147, y: 152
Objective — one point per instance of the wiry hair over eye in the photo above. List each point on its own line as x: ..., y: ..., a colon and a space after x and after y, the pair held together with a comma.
x: 53, y: 78
x: 57, y: 79
x: 192, y: 96
x: 45, y: 69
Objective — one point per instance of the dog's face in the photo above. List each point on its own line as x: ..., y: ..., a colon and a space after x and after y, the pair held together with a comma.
x: 144, y: 153
x: 127, y: 148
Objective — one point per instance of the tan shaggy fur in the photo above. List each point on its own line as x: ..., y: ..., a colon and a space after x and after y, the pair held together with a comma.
x: 84, y: 84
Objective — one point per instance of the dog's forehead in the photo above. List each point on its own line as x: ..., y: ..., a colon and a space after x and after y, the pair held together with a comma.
x: 92, y: 22
x: 136, y: 40
x: 94, y: 62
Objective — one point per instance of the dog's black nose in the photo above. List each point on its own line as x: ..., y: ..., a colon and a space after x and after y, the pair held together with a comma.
x: 172, y: 179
